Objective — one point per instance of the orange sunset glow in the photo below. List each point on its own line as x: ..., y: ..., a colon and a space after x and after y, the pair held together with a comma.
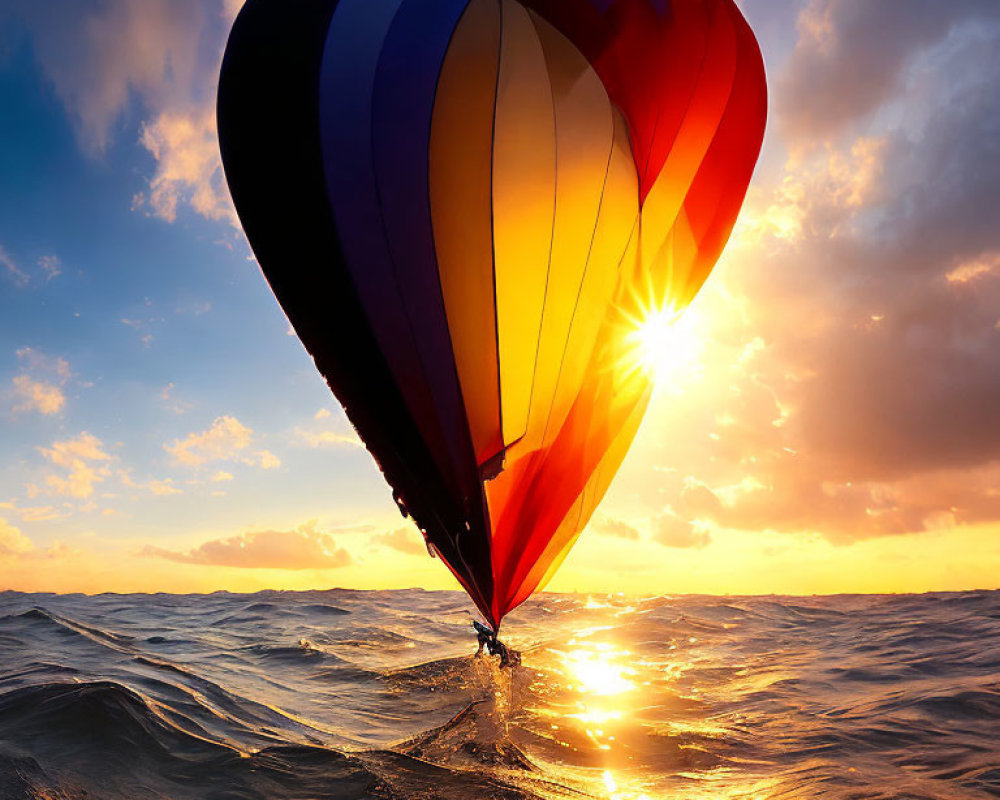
x: 824, y: 413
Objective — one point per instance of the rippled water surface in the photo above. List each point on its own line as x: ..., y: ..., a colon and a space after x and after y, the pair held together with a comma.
x: 344, y: 694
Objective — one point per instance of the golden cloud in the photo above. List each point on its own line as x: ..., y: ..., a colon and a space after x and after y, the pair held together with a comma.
x: 326, y: 438
x: 223, y: 441
x: 302, y: 548
x: 609, y: 526
x: 82, y: 460
x: 37, y: 396
x: 185, y: 146
x: 405, y: 540
x: 12, y: 541
x: 39, y: 386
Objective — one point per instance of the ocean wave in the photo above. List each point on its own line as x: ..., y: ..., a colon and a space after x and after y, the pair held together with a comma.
x: 345, y: 694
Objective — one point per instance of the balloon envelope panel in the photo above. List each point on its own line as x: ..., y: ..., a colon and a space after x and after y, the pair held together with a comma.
x: 467, y: 208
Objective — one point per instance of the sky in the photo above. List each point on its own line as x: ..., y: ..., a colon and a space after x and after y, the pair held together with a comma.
x: 828, y: 419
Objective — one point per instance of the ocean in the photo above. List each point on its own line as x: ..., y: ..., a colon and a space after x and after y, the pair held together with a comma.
x: 338, y: 694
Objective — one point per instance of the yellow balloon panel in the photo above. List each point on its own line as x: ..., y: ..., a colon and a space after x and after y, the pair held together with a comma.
x: 612, y: 251
x: 584, y: 139
x: 524, y: 179
x: 461, y: 205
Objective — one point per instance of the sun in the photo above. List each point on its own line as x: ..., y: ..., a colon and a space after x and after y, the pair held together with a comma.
x: 665, y: 345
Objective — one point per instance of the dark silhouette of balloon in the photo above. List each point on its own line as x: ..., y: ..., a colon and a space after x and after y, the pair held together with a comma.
x: 467, y: 208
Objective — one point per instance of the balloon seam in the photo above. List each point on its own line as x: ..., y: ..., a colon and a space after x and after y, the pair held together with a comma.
x: 552, y: 232
x: 493, y: 243
x: 583, y: 277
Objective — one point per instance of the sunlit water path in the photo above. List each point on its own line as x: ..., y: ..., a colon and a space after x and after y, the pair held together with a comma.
x: 344, y: 694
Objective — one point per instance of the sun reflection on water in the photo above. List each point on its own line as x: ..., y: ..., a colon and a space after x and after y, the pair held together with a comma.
x: 602, y: 678
x: 615, y: 794
x: 625, y: 714
x: 597, y: 668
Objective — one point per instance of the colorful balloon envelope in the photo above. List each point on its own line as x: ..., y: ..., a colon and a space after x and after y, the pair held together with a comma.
x: 468, y: 209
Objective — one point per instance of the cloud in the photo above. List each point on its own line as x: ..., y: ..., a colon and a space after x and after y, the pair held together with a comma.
x: 822, y: 193
x: 609, y: 526
x: 163, y: 488
x: 18, y: 276
x: 61, y: 550
x: 161, y: 57
x: 37, y: 396
x: 197, y: 308
x: 159, y: 487
x: 12, y: 541
x: 225, y: 440
x: 97, y: 55
x: 697, y: 501
x: 35, y: 513
x: 405, y: 540
x: 302, y: 548
x: 41, y: 513
x: 185, y: 146
x: 970, y: 271
x: 51, y: 267
x: 851, y: 58
x: 39, y: 387
x: 341, y: 434
x: 35, y: 360
x: 673, y: 531
x: 175, y: 405
x: 82, y: 460
x: 264, y: 459
x: 141, y: 326
x: 48, y: 265
x: 15, y: 545
x: 326, y: 438
x: 221, y: 476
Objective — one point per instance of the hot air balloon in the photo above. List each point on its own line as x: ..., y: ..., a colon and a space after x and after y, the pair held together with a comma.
x: 468, y: 210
